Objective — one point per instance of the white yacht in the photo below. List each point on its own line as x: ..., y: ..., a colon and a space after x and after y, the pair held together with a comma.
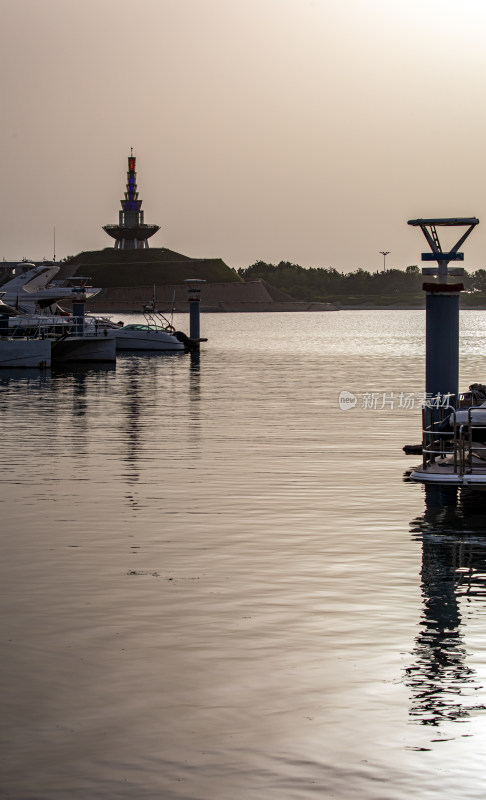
x: 57, y: 337
x: 21, y: 350
x: 156, y: 334
x: 30, y: 288
x: 146, y: 337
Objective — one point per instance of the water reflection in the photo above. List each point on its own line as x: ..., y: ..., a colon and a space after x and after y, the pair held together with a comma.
x: 195, y: 376
x: 195, y: 398
x: 28, y: 377
x: 156, y: 393
x: 453, y: 534
x: 133, y: 408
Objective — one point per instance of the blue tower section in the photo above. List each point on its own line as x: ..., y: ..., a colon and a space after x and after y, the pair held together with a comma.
x: 131, y: 233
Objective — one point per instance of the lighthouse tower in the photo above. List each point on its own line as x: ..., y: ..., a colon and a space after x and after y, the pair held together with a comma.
x: 131, y: 233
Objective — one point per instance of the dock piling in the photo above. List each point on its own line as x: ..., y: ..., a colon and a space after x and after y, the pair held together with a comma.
x: 194, y: 289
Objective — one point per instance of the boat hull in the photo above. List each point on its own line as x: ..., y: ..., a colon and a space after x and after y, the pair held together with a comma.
x: 25, y: 353
x: 146, y: 340
x: 84, y: 348
x: 449, y: 477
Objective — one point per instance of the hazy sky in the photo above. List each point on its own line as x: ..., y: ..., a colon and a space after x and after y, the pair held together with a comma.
x: 300, y: 130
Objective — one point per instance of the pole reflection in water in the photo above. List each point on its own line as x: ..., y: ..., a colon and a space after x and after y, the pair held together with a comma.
x: 195, y: 397
x: 133, y: 408
x: 72, y: 386
x: 453, y: 534
x: 154, y: 403
x: 195, y: 375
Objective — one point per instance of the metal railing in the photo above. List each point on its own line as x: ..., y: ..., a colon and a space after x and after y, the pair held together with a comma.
x: 55, y: 326
x: 463, y: 442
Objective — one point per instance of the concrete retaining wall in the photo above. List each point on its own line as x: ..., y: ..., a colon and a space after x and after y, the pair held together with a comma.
x: 223, y: 297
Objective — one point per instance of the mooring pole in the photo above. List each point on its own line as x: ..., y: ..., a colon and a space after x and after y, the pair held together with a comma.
x: 194, y: 299
x: 442, y: 311
x: 194, y: 312
x: 442, y: 340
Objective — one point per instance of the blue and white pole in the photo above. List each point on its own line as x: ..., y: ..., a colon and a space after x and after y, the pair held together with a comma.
x: 442, y: 310
x: 194, y: 299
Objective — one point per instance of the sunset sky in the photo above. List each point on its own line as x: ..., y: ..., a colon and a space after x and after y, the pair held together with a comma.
x: 299, y: 130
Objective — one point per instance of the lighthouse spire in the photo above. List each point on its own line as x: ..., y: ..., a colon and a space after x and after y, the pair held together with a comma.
x: 131, y: 233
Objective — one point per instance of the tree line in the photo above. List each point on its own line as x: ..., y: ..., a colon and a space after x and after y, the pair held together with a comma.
x: 321, y: 284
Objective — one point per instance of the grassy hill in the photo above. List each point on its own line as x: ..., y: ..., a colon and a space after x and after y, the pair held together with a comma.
x: 109, y: 267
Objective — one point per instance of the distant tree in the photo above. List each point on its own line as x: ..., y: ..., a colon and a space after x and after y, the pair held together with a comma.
x: 319, y: 283
x: 478, y: 280
x: 260, y: 270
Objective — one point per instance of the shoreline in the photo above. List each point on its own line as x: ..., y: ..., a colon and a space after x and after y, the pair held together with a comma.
x: 215, y: 310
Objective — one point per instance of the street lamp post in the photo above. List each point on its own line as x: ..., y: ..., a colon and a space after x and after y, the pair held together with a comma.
x: 384, y: 253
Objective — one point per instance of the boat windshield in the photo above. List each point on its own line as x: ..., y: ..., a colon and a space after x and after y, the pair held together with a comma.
x: 135, y: 327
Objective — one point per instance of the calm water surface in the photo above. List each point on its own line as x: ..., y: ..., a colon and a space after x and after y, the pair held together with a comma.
x: 216, y: 584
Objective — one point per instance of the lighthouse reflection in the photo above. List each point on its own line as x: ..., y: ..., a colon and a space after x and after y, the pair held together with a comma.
x: 452, y: 530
